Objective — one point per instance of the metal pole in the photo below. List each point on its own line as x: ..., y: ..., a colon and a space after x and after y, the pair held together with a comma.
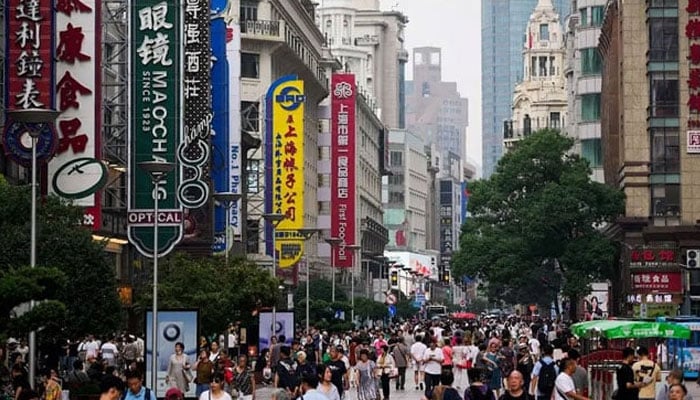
x: 352, y: 290
x: 32, y: 264
x: 274, y: 275
x: 226, y: 227
x: 306, y: 262
x: 333, y: 273
x: 154, y: 327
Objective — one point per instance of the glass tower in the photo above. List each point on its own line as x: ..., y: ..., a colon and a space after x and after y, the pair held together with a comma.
x: 503, y: 24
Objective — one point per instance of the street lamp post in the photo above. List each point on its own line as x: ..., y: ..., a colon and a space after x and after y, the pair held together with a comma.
x: 274, y: 220
x: 307, y: 233
x: 355, y: 248
x: 157, y: 170
x: 33, y: 121
x: 333, y: 241
x: 227, y: 199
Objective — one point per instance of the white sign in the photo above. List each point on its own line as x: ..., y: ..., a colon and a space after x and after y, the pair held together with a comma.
x: 693, y: 144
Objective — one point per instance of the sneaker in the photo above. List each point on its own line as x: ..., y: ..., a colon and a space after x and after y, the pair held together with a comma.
x: 422, y: 386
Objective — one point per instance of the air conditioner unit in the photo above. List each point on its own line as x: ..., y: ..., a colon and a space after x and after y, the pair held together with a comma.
x: 692, y: 258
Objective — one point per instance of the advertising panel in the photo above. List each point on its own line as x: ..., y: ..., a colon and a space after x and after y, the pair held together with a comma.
x: 343, y: 167
x: 285, y: 165
x: 665, y: 282
x: 194, y: 150
x: 29, y: 75
x: 418, y: 263
x: 173, y: 326
x: 154, y: 132
x: 284, y: 325
x: 226, y: 123
x: 653, y: 257
x: 76, y: 173
x: 595, y: 305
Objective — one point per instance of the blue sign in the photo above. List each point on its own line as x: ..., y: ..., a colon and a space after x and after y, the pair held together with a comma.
x: 392, y: 310
x: 220, y: 138
x: 18, y: 142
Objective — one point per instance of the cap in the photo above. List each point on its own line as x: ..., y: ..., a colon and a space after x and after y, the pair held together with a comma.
x: 12, y: 341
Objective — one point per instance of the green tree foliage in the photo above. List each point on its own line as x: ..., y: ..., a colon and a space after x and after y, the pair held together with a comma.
x: 321, y: 309
x: 221, y: 293
x: 74, y: 283
x: 533, y: 228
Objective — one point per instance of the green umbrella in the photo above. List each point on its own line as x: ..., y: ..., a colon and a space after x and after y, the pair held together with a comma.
x: 626, y: 329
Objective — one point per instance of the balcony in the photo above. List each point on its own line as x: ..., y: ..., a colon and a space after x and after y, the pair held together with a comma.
x: 263, y: 30
x: 367, y: 40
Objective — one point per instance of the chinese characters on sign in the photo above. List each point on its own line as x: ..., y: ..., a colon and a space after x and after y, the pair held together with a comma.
x: 343, y: 166
x: 666, y: 282
x: 285, y: 105
x: 77, y: 92
x: 650, y: 298
x: 154, y: 131
x: 653, y: 257
x: 692, y: 32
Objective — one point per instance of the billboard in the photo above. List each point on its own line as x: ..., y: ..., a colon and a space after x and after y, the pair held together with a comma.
x: 29, y: 75
x: 284, y: 325
x: 418, y: 263
x: 343, y: 162
x: 155, y: 130
x: 173, y: 326
x: 76, y: 173
x: 226, y: 142
x: 595, y: 305
x: 284, y: 161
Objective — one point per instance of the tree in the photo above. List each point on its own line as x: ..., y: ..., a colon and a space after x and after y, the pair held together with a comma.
x: 533, y: 229
x: 222, y: 293
x: 66, y: 252
x: 321, y: 309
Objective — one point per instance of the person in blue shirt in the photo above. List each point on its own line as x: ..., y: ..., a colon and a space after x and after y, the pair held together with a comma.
x: 135, y: 389
x: 547, y: 351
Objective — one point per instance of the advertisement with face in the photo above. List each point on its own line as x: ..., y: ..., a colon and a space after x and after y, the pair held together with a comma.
x: 284, y: 325
x: 595, y: 305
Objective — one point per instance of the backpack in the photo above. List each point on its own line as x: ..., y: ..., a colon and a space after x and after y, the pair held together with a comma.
x: 546, y: 378
x: 146, y: 396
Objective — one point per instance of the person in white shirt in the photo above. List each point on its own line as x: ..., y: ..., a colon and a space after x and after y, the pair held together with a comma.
x: 432, y: 358
x: 417, y: 350
x: 534, y: 345
x: 564, y: 388
x: 110, y: 352
x: 92, y: 347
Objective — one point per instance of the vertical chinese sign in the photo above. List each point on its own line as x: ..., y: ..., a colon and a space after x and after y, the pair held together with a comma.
x: 692, y: 32
x: 76, y: 173
x: 194, y: 151
x: 343, y: 166
x: 29, y: 76
x: 284, y: 189
x: 154, y: 132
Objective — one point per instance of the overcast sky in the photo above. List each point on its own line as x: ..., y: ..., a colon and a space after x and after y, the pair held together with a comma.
x: 455, y: 26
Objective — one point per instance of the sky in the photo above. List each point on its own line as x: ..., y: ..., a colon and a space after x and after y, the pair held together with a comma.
x: 455, y: 26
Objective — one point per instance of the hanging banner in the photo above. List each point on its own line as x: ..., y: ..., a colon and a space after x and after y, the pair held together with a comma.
x: 284, y: 147
x: 343, y: 161
x: 155, y: 130
x: 76, y: 173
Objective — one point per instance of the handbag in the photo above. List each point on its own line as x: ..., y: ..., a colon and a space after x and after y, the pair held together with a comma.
x: 393, y: 373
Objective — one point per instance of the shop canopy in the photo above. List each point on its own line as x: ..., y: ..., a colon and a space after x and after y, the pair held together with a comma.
x: 630, y: 329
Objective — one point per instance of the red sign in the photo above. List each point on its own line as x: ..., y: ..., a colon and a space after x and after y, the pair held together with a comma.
x: 343, y: 167
x: 666, y: 282
x: 29, y: 44
x: 692, y: 32
x: 653, y: 257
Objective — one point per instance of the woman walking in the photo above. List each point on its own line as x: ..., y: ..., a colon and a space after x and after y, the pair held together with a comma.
x: 179, y: 369
x: 385, y: 364
x: 366, y: 382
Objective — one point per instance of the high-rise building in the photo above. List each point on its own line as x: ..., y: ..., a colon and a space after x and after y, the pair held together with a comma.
x: 650, y: 116
x: 369, y: 43
x: 434, y: 109
x: 539, y: 100
x: 583, y: 80
x: 503, y: 24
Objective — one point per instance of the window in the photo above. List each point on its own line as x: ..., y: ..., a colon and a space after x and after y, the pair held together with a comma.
x: 254, y: 176
x: 249, y: 11
x: 591, y: 151
x: 664, y: 3
x: 663, y: 39
x: 666, y: 200
x: 584, y: 16
x: 253, y: 236
x: 665, y: 151
x: 250, y: 64
x: 663, y: 92
x: 597, y: 16
x: 552, y: 66
x: 555, y: 120
x: 590, y: 107
x: 250, y: 116
x: 396, y: 197
x: 543, y: 66
x: 544, y: 32
x: 527, y: 125
x: 590, y: 61
x: 396, y: 158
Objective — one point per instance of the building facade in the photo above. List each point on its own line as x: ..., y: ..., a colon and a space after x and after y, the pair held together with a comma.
x: 369, y: 43
x: 649, y: 117
x: 502, y: 25
x: 583, y: 69
x: 539, y: 100
x: 435, y: 109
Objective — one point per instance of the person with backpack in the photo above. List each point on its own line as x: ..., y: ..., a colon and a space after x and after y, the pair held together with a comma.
x: 564, y: 387
x: 544, y: 374
x: 135, y: 389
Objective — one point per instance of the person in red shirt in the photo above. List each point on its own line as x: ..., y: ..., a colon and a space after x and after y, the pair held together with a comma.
x: 446, y: 355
